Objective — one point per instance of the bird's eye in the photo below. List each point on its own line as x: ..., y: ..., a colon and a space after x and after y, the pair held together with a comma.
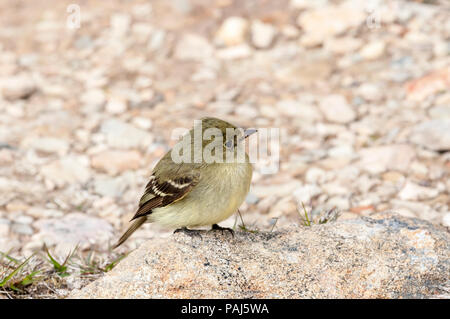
x: 229, y: 144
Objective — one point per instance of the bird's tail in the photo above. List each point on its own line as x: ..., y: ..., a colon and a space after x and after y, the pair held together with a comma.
x: 136, y: 224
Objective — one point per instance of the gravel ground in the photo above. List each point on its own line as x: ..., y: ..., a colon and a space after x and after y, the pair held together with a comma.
x: 359, y: 91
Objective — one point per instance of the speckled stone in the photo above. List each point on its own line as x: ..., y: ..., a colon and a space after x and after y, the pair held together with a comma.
x: 387, y: 256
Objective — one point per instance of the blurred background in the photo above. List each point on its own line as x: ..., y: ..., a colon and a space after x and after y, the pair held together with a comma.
x: 90, y: 92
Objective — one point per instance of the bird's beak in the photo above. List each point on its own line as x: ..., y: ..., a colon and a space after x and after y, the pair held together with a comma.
x: 248, y: 132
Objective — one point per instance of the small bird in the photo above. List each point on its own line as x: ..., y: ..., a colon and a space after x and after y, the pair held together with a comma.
x: 197, y: 192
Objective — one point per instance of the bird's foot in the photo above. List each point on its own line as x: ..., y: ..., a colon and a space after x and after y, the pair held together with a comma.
x: 189, y: 232
x: 216, y: 227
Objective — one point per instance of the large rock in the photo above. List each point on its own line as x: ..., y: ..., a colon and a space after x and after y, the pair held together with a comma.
x: 232, y: 32
x: 381, y: 158
x: 336, y: 109
x: 116, y: 161
x: 263, y: 34
x: 67, y: 170
x: 329, y: 21
x: 18, y: 87
x: 193, y: 47
x: 383, y: 257
x: 71, y: 230
x: 122, y: 135
x: 47, y: 144
x: 433, y: 134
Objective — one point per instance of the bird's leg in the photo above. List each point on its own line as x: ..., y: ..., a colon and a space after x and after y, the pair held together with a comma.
x: 189, y: 232
x: 217, y: 227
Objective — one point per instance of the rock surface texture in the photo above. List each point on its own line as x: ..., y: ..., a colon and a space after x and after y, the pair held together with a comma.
x: 359, y: 91
x: 384, y: 256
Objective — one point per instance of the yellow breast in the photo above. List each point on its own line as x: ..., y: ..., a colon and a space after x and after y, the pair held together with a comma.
x: 215, y: 198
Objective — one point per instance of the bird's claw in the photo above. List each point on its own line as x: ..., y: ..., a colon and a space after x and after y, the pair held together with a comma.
x: 216, y: 227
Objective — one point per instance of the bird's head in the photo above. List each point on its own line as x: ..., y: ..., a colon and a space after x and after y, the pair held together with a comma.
x: 217, y: 131
x: 215, y: 139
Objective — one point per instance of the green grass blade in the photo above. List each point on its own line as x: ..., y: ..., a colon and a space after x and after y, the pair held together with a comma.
x: 111, y: 265
x: 14, y: 260
x: 14, y: 272
x: 70, y: 255
x: 54, y: 262
x: 307, y: 221
x: 29, y: 279
x: 60, y: 269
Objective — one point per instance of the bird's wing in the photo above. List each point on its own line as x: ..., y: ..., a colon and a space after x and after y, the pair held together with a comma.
x: 160, y: 192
